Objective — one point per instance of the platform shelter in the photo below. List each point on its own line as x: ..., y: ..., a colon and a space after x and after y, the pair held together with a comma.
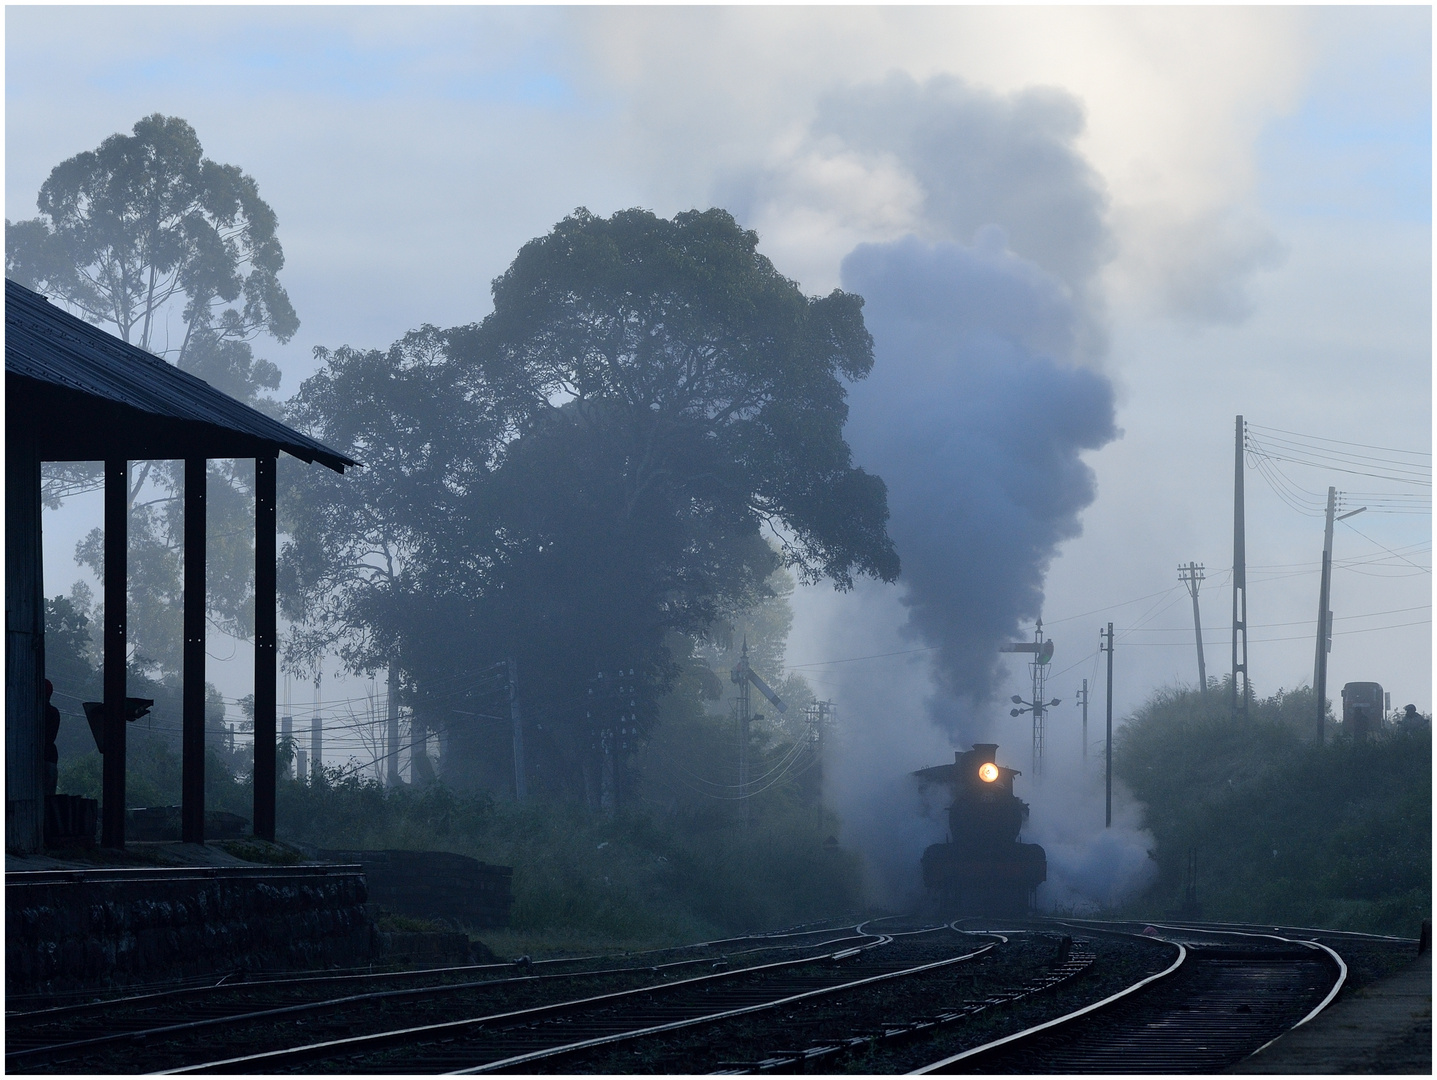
x: 76, y: 393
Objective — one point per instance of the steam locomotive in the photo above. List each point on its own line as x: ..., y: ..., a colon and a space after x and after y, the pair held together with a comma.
x: 982, y: 869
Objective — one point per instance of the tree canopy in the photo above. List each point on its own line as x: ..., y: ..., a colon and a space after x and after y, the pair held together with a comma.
x: 144, y: 221
x: 727, y: 375
x: 180, y: 256
x: 649, y: 422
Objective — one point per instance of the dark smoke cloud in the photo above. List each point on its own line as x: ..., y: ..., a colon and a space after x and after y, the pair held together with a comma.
x: 985, y: 392
x: 975, y: 416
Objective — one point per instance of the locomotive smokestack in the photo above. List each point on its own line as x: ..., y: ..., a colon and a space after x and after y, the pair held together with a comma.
x: 986, y: 751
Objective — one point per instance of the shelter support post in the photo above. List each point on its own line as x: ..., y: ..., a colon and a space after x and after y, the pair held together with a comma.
x: 192, y: 798
x: 117, y: 512
x: 24, y: 647
x: 266, y: 653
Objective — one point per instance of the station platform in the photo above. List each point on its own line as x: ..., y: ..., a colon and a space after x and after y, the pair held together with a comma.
x: 158, y: 912
x: 1383, y: 1028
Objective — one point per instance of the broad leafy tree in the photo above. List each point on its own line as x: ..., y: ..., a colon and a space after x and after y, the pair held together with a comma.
x: 661, y: 418
x: 424, y: 433
x: 179, y: 255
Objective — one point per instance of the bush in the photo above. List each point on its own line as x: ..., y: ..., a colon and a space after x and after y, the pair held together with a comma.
x: 1286, y: 829
x: 636, y: 875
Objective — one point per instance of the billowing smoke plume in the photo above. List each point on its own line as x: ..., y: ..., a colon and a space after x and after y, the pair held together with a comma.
x: 975, y: 416
x: 1090, y: 865
x: 984, y: 394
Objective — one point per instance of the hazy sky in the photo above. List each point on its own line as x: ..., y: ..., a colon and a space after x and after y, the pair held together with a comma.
x: 1235, y: 203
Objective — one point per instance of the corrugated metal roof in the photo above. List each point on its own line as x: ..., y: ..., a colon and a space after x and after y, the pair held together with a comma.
x: 49, y: 345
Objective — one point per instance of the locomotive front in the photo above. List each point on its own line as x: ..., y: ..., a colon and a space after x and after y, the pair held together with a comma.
x: 982, y: 869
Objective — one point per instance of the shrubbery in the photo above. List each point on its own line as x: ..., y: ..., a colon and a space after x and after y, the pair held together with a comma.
x: 635, y: 875
x: 1287, y: 830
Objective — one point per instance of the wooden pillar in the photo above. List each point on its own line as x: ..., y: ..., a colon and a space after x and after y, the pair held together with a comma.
x: 192, y: 783
x: 24, y: 647
x: 117, y: 511
x: 266, y: 653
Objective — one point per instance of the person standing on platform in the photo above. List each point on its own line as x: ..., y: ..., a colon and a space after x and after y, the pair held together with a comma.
x: 52, y: 732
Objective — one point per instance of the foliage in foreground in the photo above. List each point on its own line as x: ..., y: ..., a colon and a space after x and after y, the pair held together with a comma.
x: 1286, y: 829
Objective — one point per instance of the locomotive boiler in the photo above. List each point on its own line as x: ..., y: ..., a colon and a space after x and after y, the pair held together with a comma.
x: 982, y: 868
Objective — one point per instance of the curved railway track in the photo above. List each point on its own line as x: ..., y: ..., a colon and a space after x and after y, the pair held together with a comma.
x: 522, y: 1038
x: 56, y: 1037
x: 880, y: 996
x: 1227, y: 994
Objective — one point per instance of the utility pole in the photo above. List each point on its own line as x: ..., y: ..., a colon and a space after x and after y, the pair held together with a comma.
x: 521, y: 789
x: 1239, y: 576
x: 1108, y: 648
x: 286, y: 734
x: 1083, y: 701
x: 1324, y: 614
x: 743, y: 674
x: 391, y: 733
x: 1191, y: 575
x: 316, y: 728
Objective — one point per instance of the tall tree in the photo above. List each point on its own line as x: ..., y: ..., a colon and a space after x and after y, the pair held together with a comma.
x: 701, y: 344
x: 655, y: 399
x: 145, y: 223
x: 426, y: 431
x: 180, y: 255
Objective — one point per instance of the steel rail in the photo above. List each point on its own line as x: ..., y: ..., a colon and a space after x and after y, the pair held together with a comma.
x: 1086, y: 1010
x: 1223, y: 927
x: 1360, y: 935
x: 713, y: 1018
x: 1181, y: 1035
x: 279, y: 979
x: 265, y: 1061
x: 25, y: 1055
x: 198, y: 993
x: 1078, y: 963
x: 1326, y: 1001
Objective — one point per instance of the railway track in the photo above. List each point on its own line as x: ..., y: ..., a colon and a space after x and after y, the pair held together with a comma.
x: 157, y: 1027
x: 891, y: 996
x: 1227, y: 994
x: 524, y: 1038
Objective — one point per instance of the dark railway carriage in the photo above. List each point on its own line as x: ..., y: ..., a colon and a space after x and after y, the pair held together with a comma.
x: 982, y: 869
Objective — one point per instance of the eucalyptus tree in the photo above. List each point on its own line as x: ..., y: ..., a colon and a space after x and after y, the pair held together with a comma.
x: 145, y: 231
x: 179, y: 255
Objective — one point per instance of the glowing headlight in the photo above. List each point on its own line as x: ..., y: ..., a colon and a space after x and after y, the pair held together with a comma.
x: 987, y: 772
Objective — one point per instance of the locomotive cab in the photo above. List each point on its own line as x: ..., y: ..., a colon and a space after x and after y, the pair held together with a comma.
x: 982, y: 869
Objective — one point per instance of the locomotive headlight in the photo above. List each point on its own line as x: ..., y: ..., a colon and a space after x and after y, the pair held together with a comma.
x: 987, y: 772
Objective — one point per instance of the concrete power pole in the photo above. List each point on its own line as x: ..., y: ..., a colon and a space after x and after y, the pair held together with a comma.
x: 316, y: 729
x: 743, y: 674
x: 1191, y: 575
x: 1083, y: 701
x: 1239, y: 578
x: 1324, y: 613
x: 521, y: 788
x: 1108, y: 648
x: 740, y: 676
x: 391, y: 733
